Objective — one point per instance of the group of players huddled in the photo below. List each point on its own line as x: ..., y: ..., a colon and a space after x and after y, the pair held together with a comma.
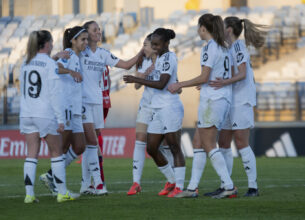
x: 65, y: 100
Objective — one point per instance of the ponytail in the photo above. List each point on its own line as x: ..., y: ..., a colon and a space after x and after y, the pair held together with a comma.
x: 37, y: 40
x: 215, y: 26
x: 254, y: 33
x: 70, y: 34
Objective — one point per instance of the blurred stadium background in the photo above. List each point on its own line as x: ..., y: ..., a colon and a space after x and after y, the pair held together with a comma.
x: 279, y: 66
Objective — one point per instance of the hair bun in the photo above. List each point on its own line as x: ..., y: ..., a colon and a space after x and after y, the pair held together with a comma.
x: 171, y: 34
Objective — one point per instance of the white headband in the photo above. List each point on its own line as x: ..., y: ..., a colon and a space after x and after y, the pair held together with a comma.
x: 76, y: 35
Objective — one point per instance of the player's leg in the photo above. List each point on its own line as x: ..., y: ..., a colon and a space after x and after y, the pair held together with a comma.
x: 30, y: 164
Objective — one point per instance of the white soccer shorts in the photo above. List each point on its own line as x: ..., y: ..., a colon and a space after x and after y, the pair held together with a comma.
x: 43, y: 126
x: 93, y: 113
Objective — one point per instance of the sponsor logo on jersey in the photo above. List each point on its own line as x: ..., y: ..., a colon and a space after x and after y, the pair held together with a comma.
x: 240, y: 57
x: 113, y: 57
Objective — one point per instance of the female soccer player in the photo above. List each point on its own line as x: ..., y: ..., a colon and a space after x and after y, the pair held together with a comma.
x: 75, y: 40
x: 144, y: 67
x: 214, y: 104
x: 168, y: 112
x: 241, y: 117
x: 93, y: 61
x: 41, y: 115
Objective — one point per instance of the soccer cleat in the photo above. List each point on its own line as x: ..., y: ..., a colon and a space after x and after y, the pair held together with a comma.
x: 48, y: 182
x: 30, y: 199
x: 101, y: 190
x: 214, y: 193
x: 167, y: 189
x: 174, y: 192
x: 252, y: 192
x: 134, y: 189
x: 226, y: 193
x: 87, y: 190
x: 67, y: 197
x: 188, y: 194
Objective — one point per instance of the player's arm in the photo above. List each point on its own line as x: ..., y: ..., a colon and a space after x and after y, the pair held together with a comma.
x: 61, y: 55
x: 201, y: 79
x: 219, y: 82
x: 129, y: 63
x: 139, y: 75
x: 164, y: 78
x: 76, y: 75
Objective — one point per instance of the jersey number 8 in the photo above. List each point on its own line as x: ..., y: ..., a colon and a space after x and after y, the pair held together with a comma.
x: 34, y: 80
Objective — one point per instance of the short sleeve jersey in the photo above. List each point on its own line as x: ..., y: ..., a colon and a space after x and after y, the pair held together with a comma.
x: 92, y: 66
x: 244, y: 91
x: 218, y: 59
x: 73, y: 90
x: 34, y: 87
x: 148, y: 92
x: 165, y: 64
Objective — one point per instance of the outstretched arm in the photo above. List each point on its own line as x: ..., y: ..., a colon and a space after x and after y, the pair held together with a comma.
x: 164, y: 78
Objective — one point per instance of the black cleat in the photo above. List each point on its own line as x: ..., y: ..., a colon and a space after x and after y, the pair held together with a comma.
x: 252, y: 192
x: 216, y: 192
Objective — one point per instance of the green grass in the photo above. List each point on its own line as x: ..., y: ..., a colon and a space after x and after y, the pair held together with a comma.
x: 281, y: 183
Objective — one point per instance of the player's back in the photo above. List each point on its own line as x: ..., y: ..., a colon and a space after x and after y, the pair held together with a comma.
x: 35, y: 80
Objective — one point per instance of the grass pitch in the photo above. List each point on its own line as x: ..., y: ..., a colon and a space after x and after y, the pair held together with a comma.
x: 281, y: 183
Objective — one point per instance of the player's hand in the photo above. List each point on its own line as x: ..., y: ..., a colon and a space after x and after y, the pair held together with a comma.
x: 217, y: 83
x: 76, y: 76
x: 149, y: 70
x: 62, y: 55
x: 61, y: 128
x: 129, y: 79
x: 174, y: 88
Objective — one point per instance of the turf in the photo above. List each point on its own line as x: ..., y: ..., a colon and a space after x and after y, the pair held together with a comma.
x: 281, y: 182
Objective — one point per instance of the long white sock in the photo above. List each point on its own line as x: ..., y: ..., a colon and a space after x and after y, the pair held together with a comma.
x: 138, y: 161
x: 166, y: 151
x: 93, y: 164
x: 70, y: 156
x: 249, y: 162
x: 59, y: 174
x: 179, y: 176
x: 199, y: 161
x: 228, y: 156
x: 86, y: 178
x: 29, y: 173
x: 168, y: 172
x: 219, y: 165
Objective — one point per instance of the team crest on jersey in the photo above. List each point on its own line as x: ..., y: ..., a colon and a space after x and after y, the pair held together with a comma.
x: 240, y: 57
x: 205, y: 57
x: 166, y: 66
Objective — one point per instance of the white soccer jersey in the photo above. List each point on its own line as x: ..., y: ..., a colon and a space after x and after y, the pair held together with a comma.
x: 41, y: 89
x: 148, y: 92
x: 165, y: 64
x: 244, y: 91
x: 92, y: 66
x: 72, y: 90
x: 218, y: 59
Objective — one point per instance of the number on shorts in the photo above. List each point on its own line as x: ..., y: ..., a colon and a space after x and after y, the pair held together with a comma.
x: 226, y: 65
x: 68, y: 114
x: 34, y: 80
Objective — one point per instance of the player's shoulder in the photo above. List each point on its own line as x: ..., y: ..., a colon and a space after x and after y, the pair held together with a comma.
x: 168, y: 57
x: 238, y: 46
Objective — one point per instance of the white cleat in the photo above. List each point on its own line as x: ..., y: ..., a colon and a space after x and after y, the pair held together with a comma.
x: 101, y: 190
x: 87, y: 190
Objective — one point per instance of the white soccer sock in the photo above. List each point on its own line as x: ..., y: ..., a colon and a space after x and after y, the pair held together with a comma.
x: 29, y: 173
x: 138, y: 161
x: 179, y: 176
x: 168, y: 172
x: 166, y: 151
x: 199, y: 161
x: 59, y: 174
x: 86, y: 178
x: 70, y: 156
x: 93, y: 164
x: 219, y: 165
x: 249, y: 162
x: 228, y: 156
